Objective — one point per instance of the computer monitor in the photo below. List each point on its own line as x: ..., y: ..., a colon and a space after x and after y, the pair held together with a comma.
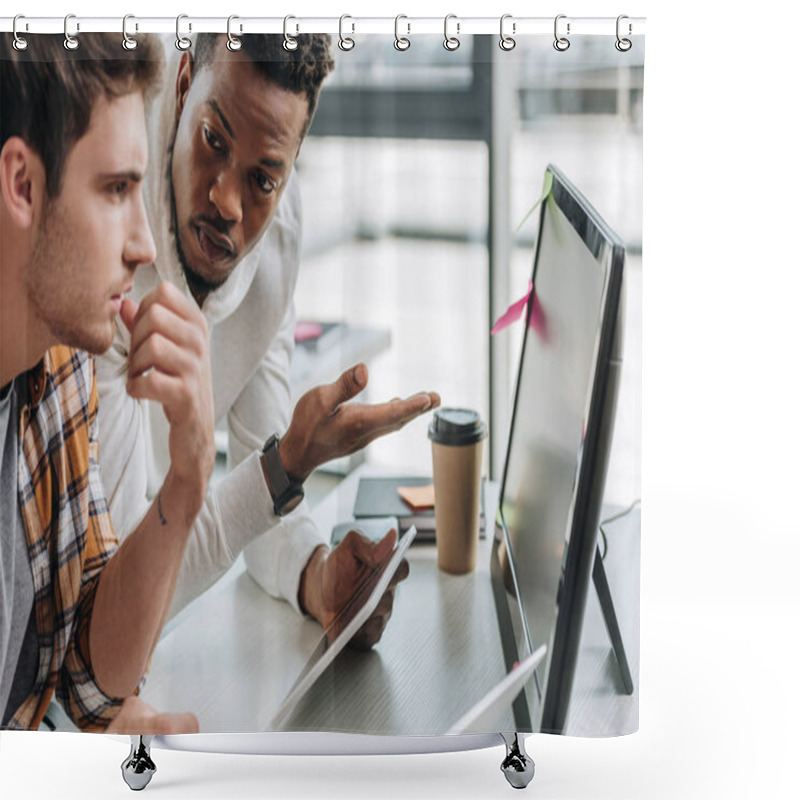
x: 556, y: 459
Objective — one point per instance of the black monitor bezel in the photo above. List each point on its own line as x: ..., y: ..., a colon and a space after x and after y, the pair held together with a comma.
x: 596, y: 235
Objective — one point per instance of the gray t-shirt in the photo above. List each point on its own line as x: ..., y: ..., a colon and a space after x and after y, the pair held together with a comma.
x: 18, y: 639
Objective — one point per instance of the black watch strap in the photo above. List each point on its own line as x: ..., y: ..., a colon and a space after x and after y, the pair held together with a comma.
x: 286, y: 493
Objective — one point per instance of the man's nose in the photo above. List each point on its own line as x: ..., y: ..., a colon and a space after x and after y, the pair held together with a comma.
x: 140, y: 247
x: 226, y: 197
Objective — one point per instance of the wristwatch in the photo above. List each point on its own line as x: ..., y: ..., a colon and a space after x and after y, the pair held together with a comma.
x: 286, y: 494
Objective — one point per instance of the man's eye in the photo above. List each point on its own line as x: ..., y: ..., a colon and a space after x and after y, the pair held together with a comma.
x: 119, y: 188
x: 265, y: 183
x: 214, y: 142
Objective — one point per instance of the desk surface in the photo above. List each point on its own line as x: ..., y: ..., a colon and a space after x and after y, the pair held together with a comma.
x: 232, y: 656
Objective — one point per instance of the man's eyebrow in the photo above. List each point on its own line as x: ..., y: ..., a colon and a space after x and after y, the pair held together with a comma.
x: 275, y: 163
x: 132, y: 175
x: 222, y: 118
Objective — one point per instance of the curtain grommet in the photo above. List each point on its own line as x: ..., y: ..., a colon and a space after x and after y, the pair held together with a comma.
x: 451, y: 43
x: 234, y: 43
x: 401, y: 43
x: 622, y: 44
x: 19, y: 43
x: 182, y: 42
x: 70, y: 42
x: 561, y: 43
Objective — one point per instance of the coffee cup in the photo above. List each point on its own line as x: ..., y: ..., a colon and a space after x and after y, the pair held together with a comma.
x: 457, y: 436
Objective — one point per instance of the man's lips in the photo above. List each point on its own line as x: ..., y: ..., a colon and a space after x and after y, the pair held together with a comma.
x: 116, y: 299
x: 215, y: 246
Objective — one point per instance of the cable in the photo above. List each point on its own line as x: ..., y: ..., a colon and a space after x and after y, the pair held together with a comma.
x: 621, y: 514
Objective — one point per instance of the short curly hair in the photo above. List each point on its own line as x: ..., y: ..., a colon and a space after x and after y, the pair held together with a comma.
x: 301, y: 71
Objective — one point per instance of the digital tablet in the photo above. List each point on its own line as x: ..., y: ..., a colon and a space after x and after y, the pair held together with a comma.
x: 346, y: 624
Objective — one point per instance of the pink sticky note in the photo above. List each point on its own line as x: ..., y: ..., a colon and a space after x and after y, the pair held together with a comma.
x: 538, y: 321
x: 514, y: 312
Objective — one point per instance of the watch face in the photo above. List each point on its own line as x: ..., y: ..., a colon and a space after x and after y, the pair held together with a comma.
x: 292, y: 502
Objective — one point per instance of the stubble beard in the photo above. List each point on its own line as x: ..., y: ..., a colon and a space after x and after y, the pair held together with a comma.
x: 52, y: 285
x: 199, y: 286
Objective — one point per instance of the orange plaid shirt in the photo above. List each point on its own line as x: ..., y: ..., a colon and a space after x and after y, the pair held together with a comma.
x: 69, y: 534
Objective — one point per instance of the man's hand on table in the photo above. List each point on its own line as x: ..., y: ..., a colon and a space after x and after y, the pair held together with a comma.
x: 332, y: 577
x: 136, y: 718
x: 325, y: 426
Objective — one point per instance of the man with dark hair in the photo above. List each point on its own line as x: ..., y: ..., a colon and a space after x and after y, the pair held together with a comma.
x: 80, y: 614
x: 225, y: 205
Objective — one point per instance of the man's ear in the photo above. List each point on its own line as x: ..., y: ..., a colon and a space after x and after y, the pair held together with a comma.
x: 183, y: 82
x: 21, y: 180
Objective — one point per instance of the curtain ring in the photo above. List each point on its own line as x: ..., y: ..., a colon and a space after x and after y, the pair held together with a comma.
x: 289, y: 42
x: 182, y: 42
x: 623, y: 45
x: 233, y: 43
x: 507, y: 42
x: 128, y: 42
x: 561, y: 43
x: 70, y: 42
x: 345, y: 42
x: 19, y: 42
x: 451, y: 42
x: 401, y: 42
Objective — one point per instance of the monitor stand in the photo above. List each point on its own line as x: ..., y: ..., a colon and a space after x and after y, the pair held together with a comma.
x: 610, y: 619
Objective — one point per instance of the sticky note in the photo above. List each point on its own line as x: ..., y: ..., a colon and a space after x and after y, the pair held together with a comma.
x: 418, y: 497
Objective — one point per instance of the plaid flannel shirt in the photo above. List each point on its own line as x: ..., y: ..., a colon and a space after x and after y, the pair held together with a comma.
x: 69, y: 534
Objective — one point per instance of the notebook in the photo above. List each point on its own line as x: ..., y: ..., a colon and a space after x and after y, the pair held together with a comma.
x: 378, y: 497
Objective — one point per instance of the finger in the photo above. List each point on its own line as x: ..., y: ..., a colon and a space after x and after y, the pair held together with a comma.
x: 384, y: 607
x: 400, y: 574
x: 368, y: 552
x: 149, y: 722
x: 346, y: 387
x: 361, y: 424
x: 183, y: 722
x: 168, y: 390
x: 161, y: 319
x: 368, y: 635
x: 159, y: 352
x: 128, y: 311
x: 166, y: 294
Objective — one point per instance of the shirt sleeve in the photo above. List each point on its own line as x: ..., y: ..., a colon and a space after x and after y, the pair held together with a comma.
x: 275, y: 559
x: 77, y: 690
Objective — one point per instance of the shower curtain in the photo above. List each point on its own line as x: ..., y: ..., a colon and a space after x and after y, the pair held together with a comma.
x: 367, y: 198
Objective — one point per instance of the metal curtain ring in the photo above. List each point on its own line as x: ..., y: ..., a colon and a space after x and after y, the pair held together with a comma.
x: 401, y: 42
x: 507, y: 42
x: 70, y: 42
x: 233, y: 43
x: 182, y: 42
x: 128, y: 42
x: 623, y: 45
x: 345, y: 42
x: 19, y: 42
x: 289, y: 42
x: 451, y: 42
x: 561, y: 43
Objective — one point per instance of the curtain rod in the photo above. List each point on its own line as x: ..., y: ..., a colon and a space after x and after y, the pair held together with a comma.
x: 349, y: 25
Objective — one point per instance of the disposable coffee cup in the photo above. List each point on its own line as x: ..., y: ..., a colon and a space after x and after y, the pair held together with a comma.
x: 457, y: 436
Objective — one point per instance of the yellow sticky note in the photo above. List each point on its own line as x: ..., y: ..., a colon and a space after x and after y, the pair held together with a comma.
x: 418, y: 497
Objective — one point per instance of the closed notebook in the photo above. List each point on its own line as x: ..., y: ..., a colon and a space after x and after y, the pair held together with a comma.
x: 379, y: 497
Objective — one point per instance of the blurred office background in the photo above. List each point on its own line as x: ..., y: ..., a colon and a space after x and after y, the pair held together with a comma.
x: 417, y: 171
